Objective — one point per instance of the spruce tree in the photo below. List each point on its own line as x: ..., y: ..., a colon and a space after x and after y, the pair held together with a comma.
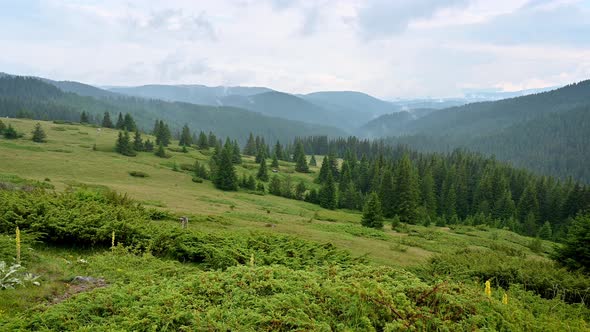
x: 300, y: 159
x: 387, y: 194
x: 123, y: 145
x: 120, y: 122
x: 225, y: 176
x: 327, y: 194
x: 428, y: 194
x: 300, y: 190
x: 528, y: 203
x: 185, y: 137
x: 262, y: 171
x: 275, y: 186
x: 106, y: 121
x: 278, y: 151
x: 84, y: 117
x: 250, y: 149
x: 408, y: 194
x: 148, y: 146
x: 236, y: 157
x: 138, y: 142
x: 260, y: 187
x: 38, y: 134
x: 212, y: 140
x: 372, y: 216
x: 287, y: 187
x: 129, y: 123
x: 324, y: 170
x: 156, y: 129
x: 312, y: 161
x: 203, y: 143
x: 275, y: 162
x: 251, y: 183
x: 161, y: 152
x: 545, y: 232
x: 575, y: 253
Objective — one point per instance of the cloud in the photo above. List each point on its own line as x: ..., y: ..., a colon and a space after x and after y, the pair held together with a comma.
x: 383, y: 18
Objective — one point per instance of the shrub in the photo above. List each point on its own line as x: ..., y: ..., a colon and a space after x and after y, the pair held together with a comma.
x: 138, y: 174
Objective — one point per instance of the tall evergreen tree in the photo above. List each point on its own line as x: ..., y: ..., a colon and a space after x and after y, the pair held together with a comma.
x: 279, y: 151
x: 236, y: 157
x: 327, y: 194
x: 250, y: 149
x: 185, y: 137
x: 84, y: 118
x: 202, y: 143
x: 106, y: 120
x: 528, y: 204
x: 129, y: 123
x: 38, y: 134
x: 212, y: 139
x: 300, y: 190
x: 120, y: 122
x: 324, y: 170
x: 387, y: 194
x: 138, y: 142
x: 428, y: 194
x: 275, y: 162
x: 262, y: 171
x: 225, y: 176
x: 372, y: 216
x: 300, y: 159
x: 123, y: 145
x: 408, y: 194
x: 274, y: 186
x: 312, y: 161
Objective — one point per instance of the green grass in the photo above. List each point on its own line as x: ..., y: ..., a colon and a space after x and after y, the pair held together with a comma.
x: 140, y: 288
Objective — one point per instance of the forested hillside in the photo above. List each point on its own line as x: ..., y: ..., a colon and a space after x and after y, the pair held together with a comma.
x: 30, y: 97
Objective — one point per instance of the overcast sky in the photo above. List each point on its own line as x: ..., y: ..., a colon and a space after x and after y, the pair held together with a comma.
x: 388, y: 48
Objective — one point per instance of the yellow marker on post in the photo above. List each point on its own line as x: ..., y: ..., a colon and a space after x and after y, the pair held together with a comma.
x: 488, y: 289
x: 505, y: 299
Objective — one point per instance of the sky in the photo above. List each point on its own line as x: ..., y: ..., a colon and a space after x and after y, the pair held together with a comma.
x: 387, y: 48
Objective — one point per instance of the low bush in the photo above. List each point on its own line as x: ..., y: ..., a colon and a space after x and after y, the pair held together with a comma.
x: 138, y: 174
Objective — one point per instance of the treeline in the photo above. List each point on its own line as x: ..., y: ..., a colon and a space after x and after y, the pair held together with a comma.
x: 457, y: 187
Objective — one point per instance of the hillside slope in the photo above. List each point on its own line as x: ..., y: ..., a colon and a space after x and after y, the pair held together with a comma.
x: 35, y: 98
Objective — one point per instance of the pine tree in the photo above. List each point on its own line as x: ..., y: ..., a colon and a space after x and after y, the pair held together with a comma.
x: 528, y: 203
x: 327, y: 194
x: 575, y: 254
x: 312, y: 161
x: 200, y: 171
x: 129, y: 123
x: 106, y: 120
x: 260, y: 187
x: 275, y: 186
x: 203, y: 143
x: 324, y: 170
x: 387, y: 194
x: 428, y: 194
x: 250, y: 149
x: 300, y: 159
x: 262, y: 171
x: 312, y: 196
x: 279, y: 151
x: 236, y: 157
x: 161, y: 152
x: 545, y: 232
x: 275, y: 162
x: 408, y: 194
x: 251, y: 183
x: 225, y: 176
x: 120, y: 122
x: 148, y: 146
x: 300, y: 190
x: 212, y: 140
x: 185, y: 137
x: 84, y: 118
x: 138, y: 142
x: 372, y: 212
x: 287, y: 187
x: 38, y: 134
x: 156, y: 129
x: 123, y: 145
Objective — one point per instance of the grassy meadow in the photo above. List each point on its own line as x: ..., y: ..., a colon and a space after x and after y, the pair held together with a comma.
x: 148, y: 290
